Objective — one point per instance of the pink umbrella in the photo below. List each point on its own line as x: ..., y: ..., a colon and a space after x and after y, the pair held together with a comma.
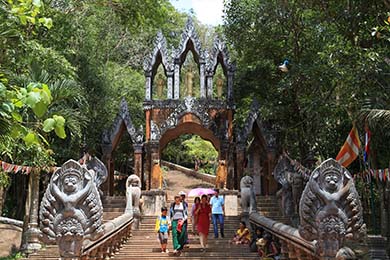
x: 200, y: 191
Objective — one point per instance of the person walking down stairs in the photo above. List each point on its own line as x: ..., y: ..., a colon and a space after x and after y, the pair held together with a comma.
x: 203, y: 212
x: 178, y: 217
x: 162, y: 228
x: 218, y: 211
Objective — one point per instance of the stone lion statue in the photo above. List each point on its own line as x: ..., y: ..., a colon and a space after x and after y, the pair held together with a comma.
x: 221, y: 178
x: 248, y: 197
x: 133, y: 195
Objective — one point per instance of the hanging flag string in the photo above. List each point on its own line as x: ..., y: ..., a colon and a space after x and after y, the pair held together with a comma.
x: 12, y: 168
x: 381, y: 175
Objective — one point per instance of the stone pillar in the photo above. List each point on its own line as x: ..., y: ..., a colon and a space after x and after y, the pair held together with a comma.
x: 240, y: 161
x: 154, y: 155
x: 169, y: 84
x: 209, y: 79
x: 230, y: 125
x: 31, y: 240
x: 148, y: 85
x: 106, y: 158
x: 147, y: 125
x: 110, y: 179
x: 202, y: 80
x: 230, y: 75
x: 138, y: 159
x: 176, y: 87
x: 147, y: 167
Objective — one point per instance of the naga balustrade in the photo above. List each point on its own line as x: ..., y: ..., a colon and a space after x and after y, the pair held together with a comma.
x: 331, y: 220
x: 293, y: 246
x: 117, y: 233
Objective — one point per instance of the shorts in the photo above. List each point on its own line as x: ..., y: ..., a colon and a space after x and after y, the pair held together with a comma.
x: 163, y: 237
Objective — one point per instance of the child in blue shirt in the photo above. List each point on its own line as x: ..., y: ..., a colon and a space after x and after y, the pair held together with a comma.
x: 162, y: 228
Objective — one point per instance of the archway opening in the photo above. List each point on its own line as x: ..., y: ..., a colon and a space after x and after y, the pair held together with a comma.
x: 193, y: 152
x: 123, y: 159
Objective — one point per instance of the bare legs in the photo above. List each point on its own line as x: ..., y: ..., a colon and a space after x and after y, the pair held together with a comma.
x: 203, y: 240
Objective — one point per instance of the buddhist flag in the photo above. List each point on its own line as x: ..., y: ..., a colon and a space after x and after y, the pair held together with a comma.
x: 367, y: 138
x: 350, y: 149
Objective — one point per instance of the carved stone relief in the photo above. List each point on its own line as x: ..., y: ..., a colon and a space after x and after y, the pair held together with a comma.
x: 71, y: 210
x: 123, y: 117
x: 330, y: 209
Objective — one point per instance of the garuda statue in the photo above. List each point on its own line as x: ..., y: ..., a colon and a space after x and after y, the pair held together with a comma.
x: 330, y: 210
x: 71, y: 210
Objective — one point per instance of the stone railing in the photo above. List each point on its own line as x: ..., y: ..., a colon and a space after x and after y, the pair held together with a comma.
x: 204, y: 177
x: 331, y: 220
x: 116, y: 233
x: 293, y: 246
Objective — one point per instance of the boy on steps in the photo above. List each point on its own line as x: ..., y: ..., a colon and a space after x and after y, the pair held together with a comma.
x: 162, y: 228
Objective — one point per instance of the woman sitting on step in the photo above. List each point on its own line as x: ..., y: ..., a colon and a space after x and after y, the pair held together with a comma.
x: 242, y: 236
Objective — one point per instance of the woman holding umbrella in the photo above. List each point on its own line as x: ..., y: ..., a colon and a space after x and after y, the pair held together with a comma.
x: 203, y: 213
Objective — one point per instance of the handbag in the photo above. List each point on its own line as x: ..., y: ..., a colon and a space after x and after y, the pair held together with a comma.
x: 180, y: 223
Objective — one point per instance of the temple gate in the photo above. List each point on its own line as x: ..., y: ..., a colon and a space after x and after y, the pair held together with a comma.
x: 184, y: 99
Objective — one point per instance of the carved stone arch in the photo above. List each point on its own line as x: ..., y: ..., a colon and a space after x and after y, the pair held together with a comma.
x: 158, y: 56
x: 123, y: 122
x: 111, y: 138
x: 189, y: 106
x: 189, y: 41
x: 189, y: 128
x: 219, y: 54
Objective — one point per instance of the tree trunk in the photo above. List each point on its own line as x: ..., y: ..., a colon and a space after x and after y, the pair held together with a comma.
x: 2, y: 195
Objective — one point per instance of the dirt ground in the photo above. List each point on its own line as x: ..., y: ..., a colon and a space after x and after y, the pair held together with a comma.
x: 177, y: 181
x: 10, y: 238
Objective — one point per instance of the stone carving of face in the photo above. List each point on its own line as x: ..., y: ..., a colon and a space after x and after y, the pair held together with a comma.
x: 332, y: 181
x: 70, y: 234
x: 71, y: 183
x: 134, y: 182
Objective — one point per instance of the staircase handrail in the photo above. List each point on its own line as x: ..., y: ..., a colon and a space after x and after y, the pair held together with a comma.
x: 288, y: 235
x: 117, y: 232
x: 199, y: 175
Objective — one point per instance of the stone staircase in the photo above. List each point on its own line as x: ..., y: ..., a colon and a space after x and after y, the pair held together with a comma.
x: 144, y: 244
x: 269, y: 207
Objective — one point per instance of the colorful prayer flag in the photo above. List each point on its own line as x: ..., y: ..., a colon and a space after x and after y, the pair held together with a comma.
x: 350, y: 150
x: 367, y: 138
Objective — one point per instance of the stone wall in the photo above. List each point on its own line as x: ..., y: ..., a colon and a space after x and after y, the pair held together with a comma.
x: 153, y: 200
x: 10, y: 239
x: 204, y: 177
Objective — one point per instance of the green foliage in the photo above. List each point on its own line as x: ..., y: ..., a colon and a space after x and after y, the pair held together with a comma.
x: 335, y: 65
x: 200, y: 149
x: 14, y: 256
x: 4, y: 179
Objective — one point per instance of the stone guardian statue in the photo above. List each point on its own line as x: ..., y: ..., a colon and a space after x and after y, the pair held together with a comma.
x: 71, y: 210
x: 133, y: 195
x: 248, y: 196
x: 330, y: 210
x: 221, y: 177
